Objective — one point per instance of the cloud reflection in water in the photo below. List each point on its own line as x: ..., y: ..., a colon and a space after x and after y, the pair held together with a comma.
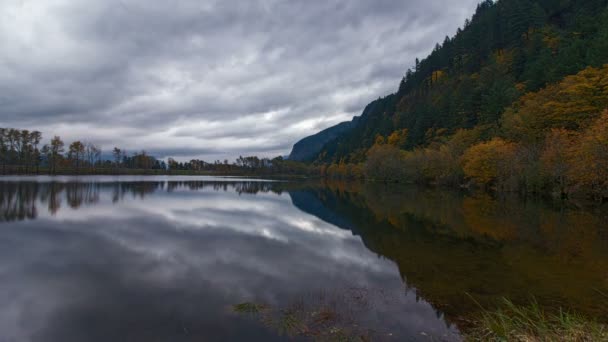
x: 165, y: 260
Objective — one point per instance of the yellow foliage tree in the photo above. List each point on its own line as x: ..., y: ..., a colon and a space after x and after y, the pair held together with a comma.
x: 570, y: 104
x: 379, y: 140
x: 398, y: 138
x: 490, y: 162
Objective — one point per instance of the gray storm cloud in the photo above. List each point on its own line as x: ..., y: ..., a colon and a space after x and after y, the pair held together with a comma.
x: 207, y: 79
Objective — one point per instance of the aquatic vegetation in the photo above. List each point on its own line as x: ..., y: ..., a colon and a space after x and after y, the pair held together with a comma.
x: 249, y: 308
x: 322, y: 316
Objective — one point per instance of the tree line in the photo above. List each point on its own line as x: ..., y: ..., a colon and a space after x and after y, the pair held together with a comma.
x: 20, y: 147
x: 22, y: 151
x: 248, y: 165
x: 551, y: 141
x: 515, y: 101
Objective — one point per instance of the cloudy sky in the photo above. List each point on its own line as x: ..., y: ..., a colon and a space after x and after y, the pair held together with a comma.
x: 205, y: 78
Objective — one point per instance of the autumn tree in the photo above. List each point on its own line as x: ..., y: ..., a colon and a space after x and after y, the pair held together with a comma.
x: 490, y: 163
x: 384, y: 162
x: 556, y: 161
x: 172, y: 164
x: 590, y: 167
x: 143, y: 161
x: 570, y: 104
x: 398, y: 138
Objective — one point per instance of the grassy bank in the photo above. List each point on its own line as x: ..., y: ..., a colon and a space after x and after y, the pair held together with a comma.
x: 511, y: 322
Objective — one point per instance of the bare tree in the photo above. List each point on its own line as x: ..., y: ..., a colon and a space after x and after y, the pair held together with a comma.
x: 96, y: 154
x: 92, y: 153
x: 117, y: 154
x: 88, y: 153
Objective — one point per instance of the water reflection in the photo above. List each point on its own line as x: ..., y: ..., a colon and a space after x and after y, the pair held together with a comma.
x: 165, y: 259
x: 448, y: 244
x: 21, y: 200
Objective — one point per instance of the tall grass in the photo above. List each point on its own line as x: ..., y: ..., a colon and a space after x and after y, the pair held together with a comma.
x: 532, y: 323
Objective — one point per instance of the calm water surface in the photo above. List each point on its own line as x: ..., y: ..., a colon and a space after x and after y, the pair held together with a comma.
x: 167, y: 258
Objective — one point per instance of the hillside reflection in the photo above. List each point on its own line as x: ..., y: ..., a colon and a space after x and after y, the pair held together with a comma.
x: 450, y: 246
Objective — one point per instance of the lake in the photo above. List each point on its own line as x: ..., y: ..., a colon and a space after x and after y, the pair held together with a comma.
x: 203, y: 258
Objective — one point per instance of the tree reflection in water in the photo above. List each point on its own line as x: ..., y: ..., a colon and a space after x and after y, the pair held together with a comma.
x: 452, y: 245
x: 21, y: 200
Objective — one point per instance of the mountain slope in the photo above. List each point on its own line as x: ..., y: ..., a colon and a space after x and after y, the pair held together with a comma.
x: 308, y: 148
x: 508, y: 49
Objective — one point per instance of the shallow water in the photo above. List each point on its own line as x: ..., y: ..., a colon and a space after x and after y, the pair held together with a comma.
x: 167, y: 258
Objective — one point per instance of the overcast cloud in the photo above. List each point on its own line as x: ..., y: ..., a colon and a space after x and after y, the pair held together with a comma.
x: 207, y: 79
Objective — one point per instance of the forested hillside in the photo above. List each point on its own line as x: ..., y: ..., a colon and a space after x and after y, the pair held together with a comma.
x: 308, y: 148
x: 518, y: 76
